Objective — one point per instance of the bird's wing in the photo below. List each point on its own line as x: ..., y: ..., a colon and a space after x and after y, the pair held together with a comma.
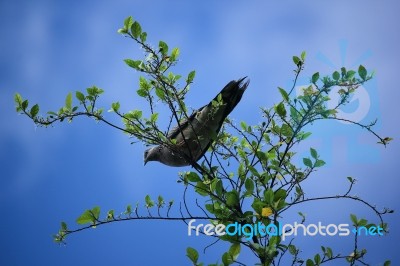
x: 183, y: 125
x: 195, y: 134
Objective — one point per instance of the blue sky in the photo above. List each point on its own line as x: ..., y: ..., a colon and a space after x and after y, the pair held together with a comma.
x: 49, y: 48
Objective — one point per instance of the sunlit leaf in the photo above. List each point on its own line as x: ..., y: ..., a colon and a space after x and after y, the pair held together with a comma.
x: 80, y: 96
x: 234, y: 251
x: 34, y: 110
x: 191, y: 76
x: 266, y: 211
x: 174, y: 54
x: 68, y: 101
x: 136, y: 29
x: 192, y: 254
x: 284, y: 94
x: 163, y: 47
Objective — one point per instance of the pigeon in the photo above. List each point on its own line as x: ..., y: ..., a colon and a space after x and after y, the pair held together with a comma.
x: 194, y: 135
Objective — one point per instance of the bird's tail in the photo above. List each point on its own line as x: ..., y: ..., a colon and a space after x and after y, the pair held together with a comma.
x: 232, y: 93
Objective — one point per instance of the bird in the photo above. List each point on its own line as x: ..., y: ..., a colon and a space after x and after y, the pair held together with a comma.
x: 194, y: 135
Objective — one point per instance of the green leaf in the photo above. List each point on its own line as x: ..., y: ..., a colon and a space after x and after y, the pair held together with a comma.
x: 91, y: 91
x: 315, y: 77
x: 24, y: 104
x: 210, y: 208
x: 160, y: 93
x: 353, y: 218
x: 284, y: 94
x: 387, y: 263
x: 226, y: 259
x: 234, y: 251
x: 18, y: 99
x: 314, y: 153
x: 143, y: 36
x: 191, y: 76
x: 163, y: 47
x: 258, y: 205
x: 294, y: 114
x: 219, y: 188
x: 128, y: 22
x: 280, y: 109
x: 122, y: 31
x: 202, y: 189
x: 269, y: 196
x: 319, y: 163
x: 133, y: 63
x: 135, y: 114
x: 317, y: 259
x: 296, y: 60
x: 350, y: 74
x: 249, y: 185
x: 115, y: 106
x: 149, y: 201
x: 309, y: 262
x: 232, y: 198
x: 192, y: 177
x: 329, y: 252
x: 128, y: 209
x: 161, y: 201
x: 362, y: 72
x: 307, y: 162
x: 80, y: 96
x: 174, y: 54
x: 362, y: 222
x: 85, y: 218
x: 142, y: 92
x: 136, y: 29
x: 154, y: 117
x: 253, y: 171
x: 280, y: 194
x: 262, y: 156
x: 292, y: 249
x: 110, y: 215
x: 34, y: 110
x: 303, y: 55
x: 303, y: 136
x: 271, y: 154
x: 343, y: 71
x: 286, y: 130
x: 96, y: 212
x: 89, y: 216
x: 243, y: 125
x: 63, y: 226
x: 68, y: 101
x: 192, y: 254
x: 336, y: 75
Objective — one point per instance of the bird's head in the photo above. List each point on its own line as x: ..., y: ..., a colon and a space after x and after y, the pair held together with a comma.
x: 151, y: 154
